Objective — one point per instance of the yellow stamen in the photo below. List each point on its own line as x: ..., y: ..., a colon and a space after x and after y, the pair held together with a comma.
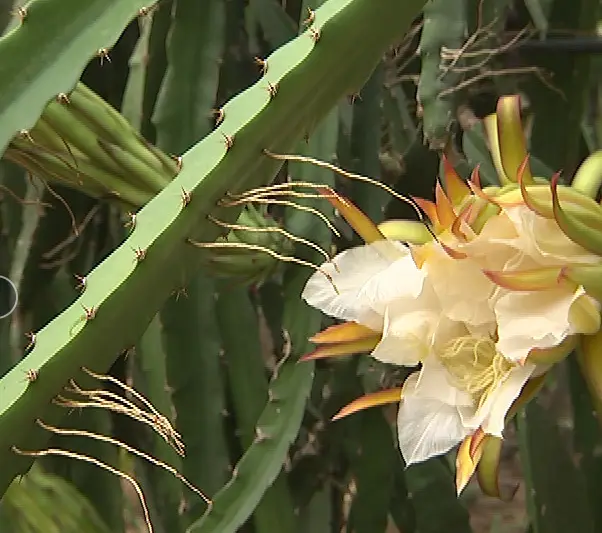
x: 475, y: 366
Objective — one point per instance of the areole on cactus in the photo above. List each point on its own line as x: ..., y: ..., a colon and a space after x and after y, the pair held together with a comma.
x: 500, y: 286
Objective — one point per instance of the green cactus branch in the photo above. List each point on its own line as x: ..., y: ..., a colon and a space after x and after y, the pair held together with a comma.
x: 63, y: 36
x: 124, y: 292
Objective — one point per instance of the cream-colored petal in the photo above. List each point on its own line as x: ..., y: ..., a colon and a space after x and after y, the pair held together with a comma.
x: 542, y: 239
x: 435, y: 383
x: 426, y: 428
x: 529, y: 320
x: 462, y: 288
x: 409, y: 328
x: 401, y: 280
x: 359, y: 268
x: 491, y: 416
x: 498, y: 233
x: 402, y: 351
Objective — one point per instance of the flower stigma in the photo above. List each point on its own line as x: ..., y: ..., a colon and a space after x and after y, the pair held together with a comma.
x: 475, y: 366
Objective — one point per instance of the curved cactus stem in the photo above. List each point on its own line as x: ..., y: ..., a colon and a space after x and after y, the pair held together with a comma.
x: 445, y: 28
x: 150, y: 377
x: 245, y: 362
x: 182, y: 113
x: 124, y: 292
x: 63, y: 35
x: 260, y: 465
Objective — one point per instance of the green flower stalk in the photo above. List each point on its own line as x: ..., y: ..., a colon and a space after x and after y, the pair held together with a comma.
x: 502, y: 284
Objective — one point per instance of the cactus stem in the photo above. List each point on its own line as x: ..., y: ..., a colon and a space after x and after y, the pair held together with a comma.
x: 96, y: 462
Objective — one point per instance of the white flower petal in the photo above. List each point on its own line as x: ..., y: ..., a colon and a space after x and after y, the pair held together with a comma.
x: 401, y: 280
x: 542, y: 239
x: 409, y: 328
x: 359, y: 268
x: 538, y: 319
x: 497, y: 405
x: 462, y: 288
x: 403, y: 351
x: 426, y: 428
x: 434, y: 383
x: 491, y: 416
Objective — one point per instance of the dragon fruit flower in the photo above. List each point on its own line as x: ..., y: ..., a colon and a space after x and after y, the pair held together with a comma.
x: 497, y: 288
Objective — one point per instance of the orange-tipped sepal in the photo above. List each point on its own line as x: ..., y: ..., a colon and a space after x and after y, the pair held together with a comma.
x: 467, y: 459
x: 373, y: 399
x: 362, y: 225
x: 445, y: 209
x: 345, y: 332
x: 456, y: 188
x: 342, y: 348
x: 430, y: 210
